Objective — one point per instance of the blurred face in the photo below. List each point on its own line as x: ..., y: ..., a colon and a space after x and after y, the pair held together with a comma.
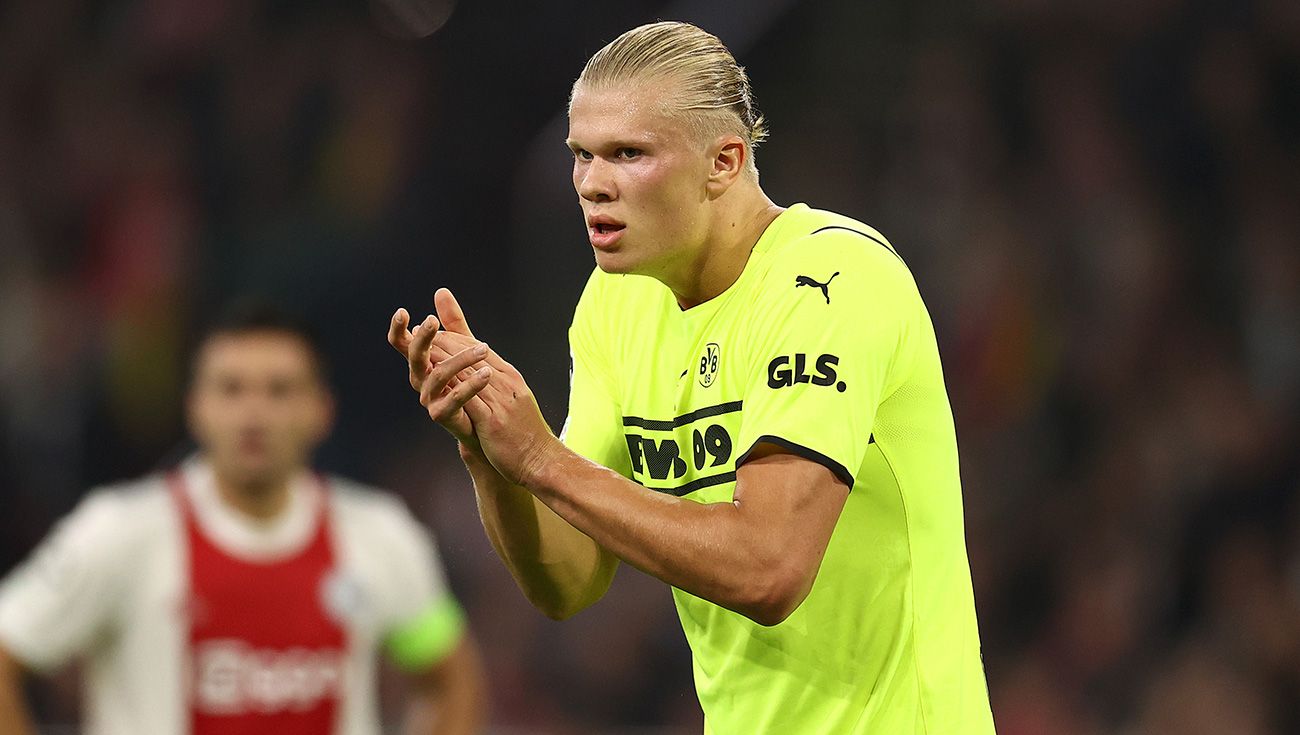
x: 640, y: 175
x: 257, y: 406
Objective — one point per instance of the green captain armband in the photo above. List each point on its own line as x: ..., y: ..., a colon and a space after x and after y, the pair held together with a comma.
x: 427, y: 638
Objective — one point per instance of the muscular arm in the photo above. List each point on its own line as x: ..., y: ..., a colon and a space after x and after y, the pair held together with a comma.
x: 559, y: 521
x: 562, y: 536
x: 560, y: 569
x: 14, y: 717
x: 757, y: 555
x: 448, y: 698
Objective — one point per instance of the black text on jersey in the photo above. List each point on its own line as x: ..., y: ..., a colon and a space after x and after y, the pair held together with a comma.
x: 787, y: 370
x: 662, y: 459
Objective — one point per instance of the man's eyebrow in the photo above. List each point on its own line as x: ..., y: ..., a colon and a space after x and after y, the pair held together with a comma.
x: 614, y: 144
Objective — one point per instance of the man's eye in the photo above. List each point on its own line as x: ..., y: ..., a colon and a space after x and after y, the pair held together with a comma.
x: 582, y: 155
x: 629, y: 152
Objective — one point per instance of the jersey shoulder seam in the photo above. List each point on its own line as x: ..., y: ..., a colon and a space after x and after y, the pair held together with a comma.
x: 881, y: 241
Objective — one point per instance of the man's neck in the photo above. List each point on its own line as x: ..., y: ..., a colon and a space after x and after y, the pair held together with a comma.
x: 721, y: 259
x: 262, y: 502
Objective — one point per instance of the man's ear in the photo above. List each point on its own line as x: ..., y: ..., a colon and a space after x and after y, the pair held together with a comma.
x: 729, y: 154
x: 327, y: 414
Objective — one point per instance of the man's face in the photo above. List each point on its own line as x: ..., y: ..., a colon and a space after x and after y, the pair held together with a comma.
x: 258, y: 406
x: 640, y: 175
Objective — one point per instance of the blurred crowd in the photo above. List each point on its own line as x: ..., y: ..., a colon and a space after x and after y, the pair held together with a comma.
x: 1100, y: 202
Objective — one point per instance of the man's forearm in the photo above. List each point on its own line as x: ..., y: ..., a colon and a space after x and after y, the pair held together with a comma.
x: 721, y: 552
x: 449, y: 699
x: 14, y: 717
x: 559, y: 569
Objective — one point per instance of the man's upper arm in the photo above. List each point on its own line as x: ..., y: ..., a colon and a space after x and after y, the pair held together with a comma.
x: 829, y: 321
x: 594, y: 426
x: 425, y: 621
x: 54, y: 604
x: 791, y: 495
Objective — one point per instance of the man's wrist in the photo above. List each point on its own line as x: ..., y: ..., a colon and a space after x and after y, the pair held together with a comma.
x: 538, y: 469
x: 471, y: 454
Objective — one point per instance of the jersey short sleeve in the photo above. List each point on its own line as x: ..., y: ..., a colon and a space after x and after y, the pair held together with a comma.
x: 828, y: 323
x: 594, y: 426
x: 423, y: 621
x: 55, y: 604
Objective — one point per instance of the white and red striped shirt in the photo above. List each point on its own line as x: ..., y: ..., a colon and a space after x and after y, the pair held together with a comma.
x: 196, y: 619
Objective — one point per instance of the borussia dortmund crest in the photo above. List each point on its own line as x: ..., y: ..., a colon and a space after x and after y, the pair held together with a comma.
x: 709, y: 365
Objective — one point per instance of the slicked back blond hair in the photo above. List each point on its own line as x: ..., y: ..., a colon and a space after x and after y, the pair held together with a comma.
x: 705, y: 83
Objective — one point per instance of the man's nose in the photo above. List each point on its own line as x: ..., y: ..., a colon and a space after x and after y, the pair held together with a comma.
x: 257, y: 406
x: 597, y: 184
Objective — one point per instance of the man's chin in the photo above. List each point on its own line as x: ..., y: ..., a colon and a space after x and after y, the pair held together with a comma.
x: 616, y: 263
x: 253, y: 475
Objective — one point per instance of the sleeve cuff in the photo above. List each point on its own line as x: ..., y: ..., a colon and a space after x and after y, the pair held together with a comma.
x: 837, y: 469
x: 429, y: 637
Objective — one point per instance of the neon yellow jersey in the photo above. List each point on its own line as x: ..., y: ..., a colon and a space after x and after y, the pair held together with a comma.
x: 824, y: 347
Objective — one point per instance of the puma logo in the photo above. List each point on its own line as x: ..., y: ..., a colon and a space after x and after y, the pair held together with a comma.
x: 825, y: 287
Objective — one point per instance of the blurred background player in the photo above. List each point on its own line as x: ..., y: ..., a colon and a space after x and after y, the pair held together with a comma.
x: 241, y: 591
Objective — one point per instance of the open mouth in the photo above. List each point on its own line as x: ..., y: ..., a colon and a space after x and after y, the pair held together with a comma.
x: 605, y: 228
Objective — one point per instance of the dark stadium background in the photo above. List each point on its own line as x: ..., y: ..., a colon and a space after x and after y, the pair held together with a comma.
x: 1100, y: 201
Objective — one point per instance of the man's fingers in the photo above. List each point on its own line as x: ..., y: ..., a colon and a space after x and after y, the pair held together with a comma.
x: 445, y: 406
x: 468, y: 373
x: 417, y: 352
x: 451, y: 342
x: 449, y: 311
x: 444, y: 371
x: 398, y: 335
x: 477, y: 408
x: 424, y: 333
